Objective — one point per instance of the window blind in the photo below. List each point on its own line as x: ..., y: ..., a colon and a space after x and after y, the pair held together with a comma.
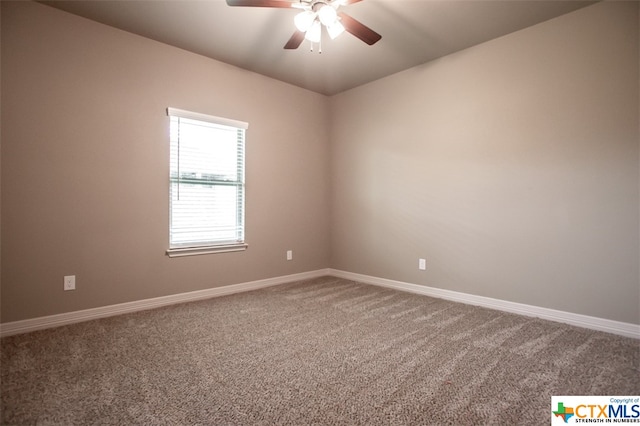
x: 207, y: 157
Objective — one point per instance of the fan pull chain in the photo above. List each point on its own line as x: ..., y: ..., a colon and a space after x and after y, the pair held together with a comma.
x: 319, y: 46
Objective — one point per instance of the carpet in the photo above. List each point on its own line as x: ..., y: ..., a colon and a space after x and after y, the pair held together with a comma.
x: 326, y: 351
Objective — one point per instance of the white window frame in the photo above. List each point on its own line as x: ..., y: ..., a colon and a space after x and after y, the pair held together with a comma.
x: 199, y: 248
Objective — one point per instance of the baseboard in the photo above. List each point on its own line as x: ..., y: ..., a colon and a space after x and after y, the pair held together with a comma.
x: 40, y: 323
x: 585, y: 321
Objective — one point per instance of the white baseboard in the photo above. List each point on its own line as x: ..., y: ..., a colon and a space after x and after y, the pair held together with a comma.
x: 585, y: 321
x: 40, y: 323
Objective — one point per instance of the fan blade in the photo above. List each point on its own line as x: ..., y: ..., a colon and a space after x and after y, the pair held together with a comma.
x: 346, y: 2
x: 295, y: 40
x: 358, y: 29
x: 260, y: 3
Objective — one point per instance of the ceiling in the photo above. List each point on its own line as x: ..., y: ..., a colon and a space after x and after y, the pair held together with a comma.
x: 413, y: 32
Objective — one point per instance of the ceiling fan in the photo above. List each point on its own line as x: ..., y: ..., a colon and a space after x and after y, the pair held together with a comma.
x: 314, y: 15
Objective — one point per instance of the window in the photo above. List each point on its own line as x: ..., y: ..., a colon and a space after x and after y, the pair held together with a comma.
x: 206, y: 184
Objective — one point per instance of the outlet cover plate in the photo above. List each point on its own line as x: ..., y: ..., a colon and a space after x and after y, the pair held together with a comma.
x: 69, y: 282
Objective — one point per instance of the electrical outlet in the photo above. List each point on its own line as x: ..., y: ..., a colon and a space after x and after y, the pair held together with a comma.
x: 289, y: 254
x: 70, y: 282
x: 422, y: 264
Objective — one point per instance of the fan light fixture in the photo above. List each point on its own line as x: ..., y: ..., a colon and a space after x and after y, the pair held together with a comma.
x: 310, y: 21
x: 313, y: 16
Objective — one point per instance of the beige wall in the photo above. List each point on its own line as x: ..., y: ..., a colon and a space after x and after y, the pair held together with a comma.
x: 512, y: 167
x: 85, y: 166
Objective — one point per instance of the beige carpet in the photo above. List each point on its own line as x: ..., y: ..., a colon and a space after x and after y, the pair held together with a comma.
x: 323, y: 351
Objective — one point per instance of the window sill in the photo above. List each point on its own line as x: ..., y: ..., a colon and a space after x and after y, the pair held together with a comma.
x: 196, y: 251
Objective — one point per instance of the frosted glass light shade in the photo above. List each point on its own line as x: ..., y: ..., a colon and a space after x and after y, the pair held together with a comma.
x: 335, y: 29
x: 327, y: 15
x: 304, y: 20
x: 313, y: 33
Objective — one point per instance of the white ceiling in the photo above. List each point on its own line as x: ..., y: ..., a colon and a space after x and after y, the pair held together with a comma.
x: 413, y: 32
